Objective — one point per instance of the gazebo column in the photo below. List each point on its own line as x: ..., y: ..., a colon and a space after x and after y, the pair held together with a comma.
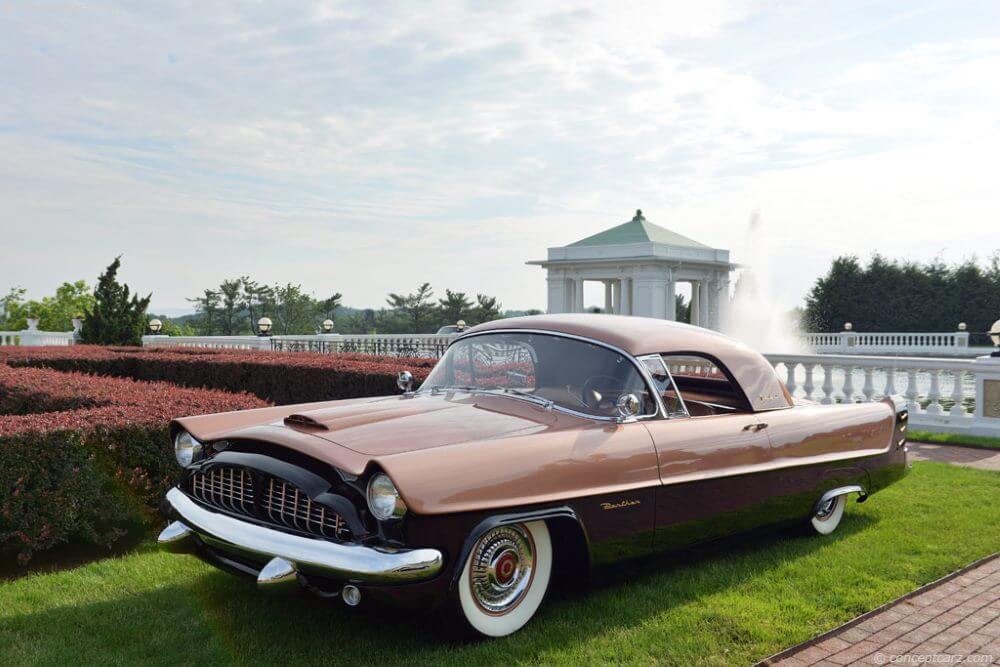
x: 616, y: 297
x: 703, y: 298
x: 609, y: 305
x: 696, y: 302
x: 713, y: 304
x: 628, y: 296
x: 559, y: 297
x: 578, y: 295
x: 670, y: 299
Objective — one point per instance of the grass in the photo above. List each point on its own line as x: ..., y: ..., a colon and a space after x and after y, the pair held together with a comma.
x: 733, y: 603
x: 978, y: 441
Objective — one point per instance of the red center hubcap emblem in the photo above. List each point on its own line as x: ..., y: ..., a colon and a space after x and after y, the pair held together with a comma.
x: 506, y: 567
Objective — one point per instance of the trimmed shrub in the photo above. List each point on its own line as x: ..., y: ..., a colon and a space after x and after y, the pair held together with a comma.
x: 280, y: 377
x: 85, y: 474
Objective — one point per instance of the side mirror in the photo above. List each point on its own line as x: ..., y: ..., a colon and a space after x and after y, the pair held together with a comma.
x: 628, y: 406
x: 404, y: 380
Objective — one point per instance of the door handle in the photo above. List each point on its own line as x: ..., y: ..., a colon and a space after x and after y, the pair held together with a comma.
x: 755, y: 427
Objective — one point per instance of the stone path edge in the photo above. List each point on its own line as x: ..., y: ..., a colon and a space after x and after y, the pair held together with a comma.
x: 956, y: 445
x: 878, y: 610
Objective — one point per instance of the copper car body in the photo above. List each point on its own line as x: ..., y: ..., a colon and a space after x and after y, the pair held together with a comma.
x: 465, y: 462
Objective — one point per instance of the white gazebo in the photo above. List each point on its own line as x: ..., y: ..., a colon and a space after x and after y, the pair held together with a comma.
x: 640, y: 264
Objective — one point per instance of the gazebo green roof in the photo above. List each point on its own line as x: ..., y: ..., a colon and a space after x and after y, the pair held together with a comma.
x: 638, y: 230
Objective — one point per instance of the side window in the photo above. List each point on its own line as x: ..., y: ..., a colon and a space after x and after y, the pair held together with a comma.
x: 704, y: 388
x: 664, y: 386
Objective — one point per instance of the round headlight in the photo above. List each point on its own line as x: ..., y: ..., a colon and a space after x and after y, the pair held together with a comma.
x: 383, y: 498
x: 186, y: 448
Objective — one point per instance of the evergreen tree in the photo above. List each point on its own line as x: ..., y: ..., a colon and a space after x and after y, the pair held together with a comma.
x: 454, y: 306
x: 116, y: 317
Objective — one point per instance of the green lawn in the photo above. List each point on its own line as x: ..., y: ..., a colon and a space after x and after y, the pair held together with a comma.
x: 734, y: 603
x: 980, y: 442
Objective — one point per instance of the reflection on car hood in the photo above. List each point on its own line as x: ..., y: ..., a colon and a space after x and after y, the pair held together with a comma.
x: 393, y: 425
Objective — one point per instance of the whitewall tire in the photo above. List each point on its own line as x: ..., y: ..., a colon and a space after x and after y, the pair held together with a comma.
x: 828, y: 516
x: 505, y: 578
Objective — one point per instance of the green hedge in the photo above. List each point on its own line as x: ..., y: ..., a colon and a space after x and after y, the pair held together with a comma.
x: 83, y: 476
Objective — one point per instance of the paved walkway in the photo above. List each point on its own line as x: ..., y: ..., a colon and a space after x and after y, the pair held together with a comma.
x: 987, y: 459
x: 958, y: 616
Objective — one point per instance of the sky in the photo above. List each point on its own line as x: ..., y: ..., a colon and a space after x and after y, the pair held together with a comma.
x: 364, y: 148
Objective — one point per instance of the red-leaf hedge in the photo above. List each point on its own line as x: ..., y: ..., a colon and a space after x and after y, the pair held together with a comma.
x: 84, y: 474
x: 280, y: 377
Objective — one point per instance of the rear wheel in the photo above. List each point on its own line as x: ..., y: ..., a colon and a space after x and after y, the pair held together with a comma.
x: 828, y: 516
x: 505, y: 578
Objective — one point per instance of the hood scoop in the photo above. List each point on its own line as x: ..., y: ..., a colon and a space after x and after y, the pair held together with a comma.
x: 304, y: 421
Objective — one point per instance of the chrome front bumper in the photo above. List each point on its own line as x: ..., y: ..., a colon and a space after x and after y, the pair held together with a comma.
x: 283, y: 555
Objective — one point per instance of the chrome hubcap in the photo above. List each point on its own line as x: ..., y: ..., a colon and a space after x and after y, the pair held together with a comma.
x: 501, y: 569
x: 826, y: 509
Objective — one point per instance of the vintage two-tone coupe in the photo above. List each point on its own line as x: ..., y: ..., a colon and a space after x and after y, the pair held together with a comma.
x: 536, y: 446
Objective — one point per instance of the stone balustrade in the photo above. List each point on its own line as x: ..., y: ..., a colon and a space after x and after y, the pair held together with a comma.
x: 931, y: 344
x: 396, y: 345
x: 943, y: 395
x: 35, y: 338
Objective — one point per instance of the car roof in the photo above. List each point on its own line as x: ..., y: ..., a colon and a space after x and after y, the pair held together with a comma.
x: 643, y: 335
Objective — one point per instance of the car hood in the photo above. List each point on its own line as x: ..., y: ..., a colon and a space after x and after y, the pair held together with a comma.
x: 372, y: 427
x: 394, y: 425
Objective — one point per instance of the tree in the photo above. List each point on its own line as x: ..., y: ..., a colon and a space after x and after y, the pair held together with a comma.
x: 207, y: 307
x: 894, y: 295
x: 231, y: 301
x: 294, y: 310
x: 116, y: 317
x: 682, y: 308
x: 54, y: 313
x: 454, y: 306
x: 416, y: 307
x: 328, y: 306
x: 259, y: 301
x: 487, y: 309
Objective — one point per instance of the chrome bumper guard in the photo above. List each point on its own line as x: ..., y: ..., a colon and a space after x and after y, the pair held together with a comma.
x: 285, y: 555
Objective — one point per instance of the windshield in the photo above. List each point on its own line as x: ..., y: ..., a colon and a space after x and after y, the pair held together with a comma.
x: 570, y: 373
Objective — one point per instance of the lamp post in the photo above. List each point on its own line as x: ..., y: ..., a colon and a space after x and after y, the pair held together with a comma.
x: 848, y: 326
x: 995, y: 337
x: 962, y: 326
x: 264, y: 325
x: 460, y: 325
x: 327, y: 326
x: 155, y: 326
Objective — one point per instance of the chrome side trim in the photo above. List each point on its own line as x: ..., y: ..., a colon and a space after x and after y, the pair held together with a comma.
x: 840, y: 491
x: 351, y: 562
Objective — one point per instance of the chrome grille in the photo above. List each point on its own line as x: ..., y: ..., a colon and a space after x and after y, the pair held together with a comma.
x: 248, y: 492
x: 286, y: 504
x: 226, y: 487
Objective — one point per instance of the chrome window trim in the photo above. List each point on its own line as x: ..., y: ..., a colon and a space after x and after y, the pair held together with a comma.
x: 663, y: 406
x: 659, y: 413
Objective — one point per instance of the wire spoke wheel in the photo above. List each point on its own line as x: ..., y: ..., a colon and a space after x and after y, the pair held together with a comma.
x: 505, y: 577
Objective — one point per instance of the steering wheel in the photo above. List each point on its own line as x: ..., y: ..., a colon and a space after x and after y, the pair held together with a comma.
x: 600, y: 392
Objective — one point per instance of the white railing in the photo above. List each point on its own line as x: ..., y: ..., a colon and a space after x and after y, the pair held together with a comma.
x: 33, y: 337
x: 212, y: 342
x: 396, y: 345
x: 940, y: 344
x: 944, y: 395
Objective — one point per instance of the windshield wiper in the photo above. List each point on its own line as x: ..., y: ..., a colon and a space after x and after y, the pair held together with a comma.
x: 548, y: 403
x: 498, y: 391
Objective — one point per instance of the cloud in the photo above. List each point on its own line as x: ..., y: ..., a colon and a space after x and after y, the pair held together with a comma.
x: 360, y: 148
